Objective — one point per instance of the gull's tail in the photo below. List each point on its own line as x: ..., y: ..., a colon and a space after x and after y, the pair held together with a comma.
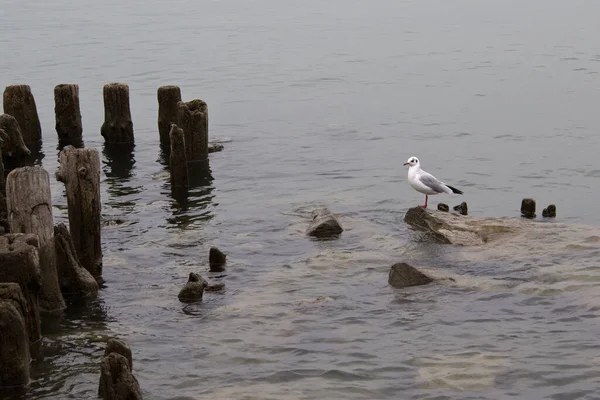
x: 455, y: 190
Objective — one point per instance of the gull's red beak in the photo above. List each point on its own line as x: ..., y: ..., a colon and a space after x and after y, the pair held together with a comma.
x: 406, y: 163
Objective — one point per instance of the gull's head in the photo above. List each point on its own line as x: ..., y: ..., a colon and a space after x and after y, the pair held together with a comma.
x: 412, y: 161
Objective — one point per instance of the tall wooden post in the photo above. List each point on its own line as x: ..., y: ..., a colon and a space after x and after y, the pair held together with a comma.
x: 68, y: 115
x: 177, y: 160
x: 117, y: 127
x: 79, y: 170
x: 18, y: 101
x: 168, y: 97
x: 30, y: 211
x: 192, y: 117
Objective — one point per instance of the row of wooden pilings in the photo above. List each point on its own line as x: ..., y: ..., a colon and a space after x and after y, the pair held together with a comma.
x: 40, y: 263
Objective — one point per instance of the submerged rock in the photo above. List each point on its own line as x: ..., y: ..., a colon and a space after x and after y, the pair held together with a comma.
x: 443, y: 207
x: 216, y: 260
x: 528, y: 208
x: 215, y: 147
x: 403, y: 275
x: 549, y: 212
x: 462, y: 208
x: 193, y: 290
x: 323, y: 224
x: 215, y: 287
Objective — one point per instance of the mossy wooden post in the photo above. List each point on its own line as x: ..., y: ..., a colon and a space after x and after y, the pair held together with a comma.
x: 177, y: 160
x: 12, y: 142
x: 68, y: 115
x: 29, y: 204
x: 117, y: 127
x: 15, y: 357
x: 192, y: 117
x: 168, y: 97
x: 20, y: 263
x: 79, y: 170
x: 18, y: 101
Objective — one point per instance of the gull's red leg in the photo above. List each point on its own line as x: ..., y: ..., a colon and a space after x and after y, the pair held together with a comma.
x: 426, y: 198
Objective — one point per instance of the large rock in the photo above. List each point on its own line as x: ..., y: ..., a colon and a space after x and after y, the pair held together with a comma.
x: 14, y: 346
x: 323, y: 224
x: 403, y: 275
x: 72, y: 277
x: 116, y: 380
x: 442, y: 227
x: 193, y: 290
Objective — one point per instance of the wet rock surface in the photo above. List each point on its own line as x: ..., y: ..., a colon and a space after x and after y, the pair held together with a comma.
x: 116, y: 380
x: 193, y: 290
x: 403, y: 275
x: 462, y: 208
x: 324, y: 224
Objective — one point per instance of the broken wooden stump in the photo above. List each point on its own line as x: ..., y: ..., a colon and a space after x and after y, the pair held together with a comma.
x: 216, y: 260
x: 30, y: 211
x: 443, y: 207
x: 168, y: 97
x: 116, y: 379
x: 20, y: 264
x: 4, y: 226
x: 18, y: 101
x: 117, y: 127
x: 192, y: 117
x: 72, y: 277
x: 79, y: 170
x: 14, y: 347
x: 12, y: 140
x: 68, y: 115
x: 549, y: 212
x: 462, y: 208
x: 193, y: 289
x: 119, y: 347
x: 178, y: 160
x: 528, y: 208
x: 324, y: 224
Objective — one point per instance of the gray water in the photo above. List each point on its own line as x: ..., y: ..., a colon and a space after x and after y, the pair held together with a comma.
x: 319, y: 104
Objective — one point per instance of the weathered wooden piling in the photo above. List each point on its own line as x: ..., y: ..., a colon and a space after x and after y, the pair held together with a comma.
x: 29, y: 204
x: 116, y: 379
x: 168, y: 97
x: 14, y: 347
x: 178, y: 159
x: 216, y: 260
x: 462, y: 208
x: 19, y: 102
x: 528, y: 208
x: 72, y: 277
x: 20, y: 264
x: 117, y: 127
x: 79, y: 170
x: 68, y: 115
x: 443, y: 207
x: 3, y: 138
x: 12, y: 142
x: 549, y: 212
x: 192, y: 117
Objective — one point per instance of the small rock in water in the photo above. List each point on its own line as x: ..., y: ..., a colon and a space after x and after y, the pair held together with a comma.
x: 216, y: 260
x: 213, y: 148
x: 443, y: 207
x: 462, y: 208
x: 215, y: 287
x: 323, y: 224
x: 528, y: 208
x: 549, y: 212
x: 403, y: 275
x: 193, y: 289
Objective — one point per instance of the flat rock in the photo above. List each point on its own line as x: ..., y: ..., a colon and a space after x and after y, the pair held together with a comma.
x: 323, y: 224
x: 403, y: 275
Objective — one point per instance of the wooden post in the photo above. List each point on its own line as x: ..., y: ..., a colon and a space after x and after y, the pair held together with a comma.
x: 3, y: 138
x: 19, y: 102
x: 192, y: 117
x: 79, y: 170
x: 68, y: 115
x: 117, y: 127
x: 14, y: 347
x: 30, y: 211
x: 20, y: 263
x: 168, y: 97
x: 13, y: 143
x: 177, y: 160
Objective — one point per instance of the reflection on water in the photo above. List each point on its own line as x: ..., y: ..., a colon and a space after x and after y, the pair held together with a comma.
x: 196, y: 203
x: 118, y: 166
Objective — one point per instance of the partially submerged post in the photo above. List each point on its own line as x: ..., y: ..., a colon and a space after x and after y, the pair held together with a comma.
x: 528, y: 208
x: 20, y: 263
x: 14, y: 347
x: 117, y: 127
x: 12, y: 141
x: 79, y: 170
x: 168, y: 97
x: 177, y: 160
x: 30, y: 211
x: 18, y: 101
x: 192, y: 117
x: 68, y: 115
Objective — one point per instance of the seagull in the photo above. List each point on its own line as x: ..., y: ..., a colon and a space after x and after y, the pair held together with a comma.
x: 426, y: 183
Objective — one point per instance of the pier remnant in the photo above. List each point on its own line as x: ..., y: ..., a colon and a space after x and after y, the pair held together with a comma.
x: 68, y: 115
x: 12, y: 143
x: 79, y: 170
x: 528, y: 208
x: 19, y: 102
x: 168, y: 97
x: 178, y: 160
x: 117, y: 127
x: 14, y: 346
x: 192, y: 117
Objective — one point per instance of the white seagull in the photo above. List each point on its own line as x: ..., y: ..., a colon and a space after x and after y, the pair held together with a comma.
x: 426, y: 183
